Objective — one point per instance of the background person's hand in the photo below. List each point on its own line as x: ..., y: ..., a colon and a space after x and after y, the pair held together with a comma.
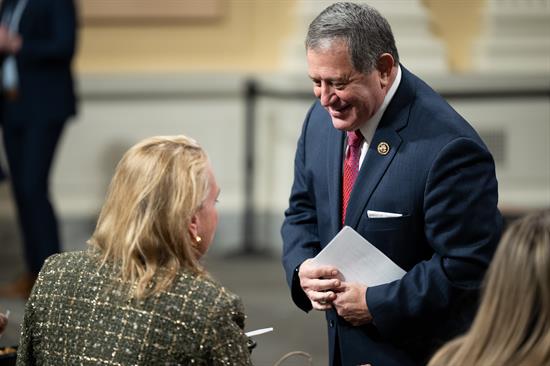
x: 4, y: 38
x: 14, y: 44
x: 3, y: 323
x: 319, y: 282
x: 9, y: 42
x: 351, y: 303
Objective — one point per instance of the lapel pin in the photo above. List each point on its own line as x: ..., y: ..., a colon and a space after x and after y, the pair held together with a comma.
x: 383, y: 148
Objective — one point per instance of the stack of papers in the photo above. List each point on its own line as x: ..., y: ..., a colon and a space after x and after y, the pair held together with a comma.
x: 358, y: 260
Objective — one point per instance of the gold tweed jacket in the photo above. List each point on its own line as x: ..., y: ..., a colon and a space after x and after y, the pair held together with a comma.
x: 81, y: 314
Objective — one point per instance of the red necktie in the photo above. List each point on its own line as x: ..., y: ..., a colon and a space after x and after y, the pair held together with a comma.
x: 351, y: 167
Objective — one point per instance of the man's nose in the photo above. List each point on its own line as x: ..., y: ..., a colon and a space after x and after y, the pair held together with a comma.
x: 326, y: 95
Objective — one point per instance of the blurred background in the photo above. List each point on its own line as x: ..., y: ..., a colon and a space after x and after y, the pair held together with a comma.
x: 232, y: 74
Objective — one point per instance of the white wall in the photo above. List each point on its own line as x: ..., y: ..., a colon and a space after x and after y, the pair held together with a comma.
x: 117, y: 112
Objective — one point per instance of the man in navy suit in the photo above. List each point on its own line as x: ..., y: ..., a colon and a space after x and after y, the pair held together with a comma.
x: 37, y: 44
x: 425, y: 194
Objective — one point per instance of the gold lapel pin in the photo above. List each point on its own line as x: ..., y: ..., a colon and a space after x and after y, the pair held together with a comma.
x: 383, y: 148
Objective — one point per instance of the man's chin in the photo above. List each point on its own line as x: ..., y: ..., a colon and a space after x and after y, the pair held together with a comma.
x: 342, y: 124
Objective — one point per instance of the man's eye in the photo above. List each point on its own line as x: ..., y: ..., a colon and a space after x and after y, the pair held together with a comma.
x: 339, y: 86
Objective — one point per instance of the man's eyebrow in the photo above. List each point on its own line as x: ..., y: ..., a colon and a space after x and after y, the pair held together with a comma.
x: 341, y: 79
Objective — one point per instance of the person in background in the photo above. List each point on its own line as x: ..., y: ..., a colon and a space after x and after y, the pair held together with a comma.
x: 3, y: 323
x: 139, y: 295
x: 512, y: 325
x: 37, y: 44
x: 382, y: 152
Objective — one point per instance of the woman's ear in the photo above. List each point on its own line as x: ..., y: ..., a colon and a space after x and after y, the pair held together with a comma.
x: 194, y: 226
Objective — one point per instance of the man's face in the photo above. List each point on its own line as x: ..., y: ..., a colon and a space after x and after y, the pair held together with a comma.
x: 350, y: 97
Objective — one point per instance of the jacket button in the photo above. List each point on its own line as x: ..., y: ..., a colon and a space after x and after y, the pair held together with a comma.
x: 331, y: 323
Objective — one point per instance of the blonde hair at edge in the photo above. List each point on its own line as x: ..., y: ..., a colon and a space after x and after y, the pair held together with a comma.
x: 512, y: 325
x: 158, y: 185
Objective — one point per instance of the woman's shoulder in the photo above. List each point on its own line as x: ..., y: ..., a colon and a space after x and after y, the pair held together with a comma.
x: 202, y: 283
x: 207, y: 288
x: 69, y: 264
x: 63, y: 270
x: 68, y: 259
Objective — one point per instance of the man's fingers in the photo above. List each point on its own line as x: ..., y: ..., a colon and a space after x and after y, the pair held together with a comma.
x: 319, y: 306
x: 319, y: 284
x: 310, y: 270
x: 321, y: 300
x: 322, y: 297
x: 324, y: 272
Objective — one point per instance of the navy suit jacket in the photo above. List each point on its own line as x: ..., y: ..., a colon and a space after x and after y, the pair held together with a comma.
x: 46, y: 90
x: 441, y: 177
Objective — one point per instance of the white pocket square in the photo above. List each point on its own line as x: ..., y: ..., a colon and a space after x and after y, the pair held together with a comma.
x: 381, y: 214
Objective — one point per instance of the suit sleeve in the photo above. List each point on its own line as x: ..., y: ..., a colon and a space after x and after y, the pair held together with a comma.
x: 299, y: 230
x: 61, y: 43
x: 462, y: 224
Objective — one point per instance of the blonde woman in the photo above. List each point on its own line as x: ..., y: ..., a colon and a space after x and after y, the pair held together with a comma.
x: 512, y: 326
x: 138, y: 295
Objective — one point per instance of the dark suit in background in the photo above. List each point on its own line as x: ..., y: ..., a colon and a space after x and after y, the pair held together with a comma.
x: 33, y: 117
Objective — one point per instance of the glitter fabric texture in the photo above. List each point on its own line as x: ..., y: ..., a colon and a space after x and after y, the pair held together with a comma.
x: 79, y: 314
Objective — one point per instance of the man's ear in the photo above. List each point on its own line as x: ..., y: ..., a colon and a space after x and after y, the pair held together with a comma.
x: 194, y: 226
x: 385, y: 67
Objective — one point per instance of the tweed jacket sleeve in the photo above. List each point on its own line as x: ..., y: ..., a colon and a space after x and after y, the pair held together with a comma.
x: 225, y: 330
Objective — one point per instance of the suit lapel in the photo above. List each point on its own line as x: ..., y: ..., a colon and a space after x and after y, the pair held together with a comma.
x: 372, y: 171
x: 376, y: 163
x: 335, y: 156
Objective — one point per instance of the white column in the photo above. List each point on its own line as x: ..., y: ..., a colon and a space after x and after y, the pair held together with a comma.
x: 516, y: 37
x: 419, y: 50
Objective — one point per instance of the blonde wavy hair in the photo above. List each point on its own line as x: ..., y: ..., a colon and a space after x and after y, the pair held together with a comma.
x: 512, y: 325
x: 158, y: 185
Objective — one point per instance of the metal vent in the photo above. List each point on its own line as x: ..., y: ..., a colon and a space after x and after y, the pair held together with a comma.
x: 496, y: 142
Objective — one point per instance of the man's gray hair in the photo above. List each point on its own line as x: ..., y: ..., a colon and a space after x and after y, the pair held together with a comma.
x: 366, y: 33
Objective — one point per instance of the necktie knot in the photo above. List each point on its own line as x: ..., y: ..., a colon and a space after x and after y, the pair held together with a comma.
x: 355, y: 138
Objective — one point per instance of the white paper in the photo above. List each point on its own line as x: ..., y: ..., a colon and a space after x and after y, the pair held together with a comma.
x: 358, y: 260
x: 258, y: 332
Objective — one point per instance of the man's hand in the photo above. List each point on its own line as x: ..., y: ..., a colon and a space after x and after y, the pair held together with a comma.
x: 351, y: 303
x: 319, y: 282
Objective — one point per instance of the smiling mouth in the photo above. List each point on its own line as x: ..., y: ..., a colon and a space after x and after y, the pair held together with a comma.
x: 340, y: 111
